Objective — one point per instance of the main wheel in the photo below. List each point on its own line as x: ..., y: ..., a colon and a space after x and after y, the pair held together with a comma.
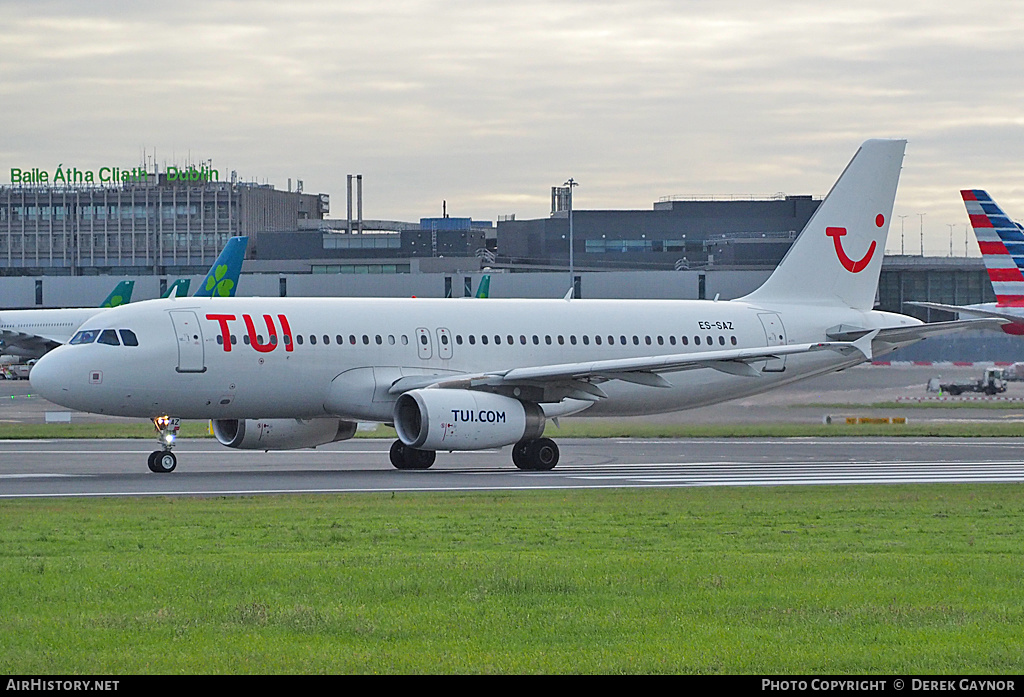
x: 535, y: 455
x: 542, y: 454
x: 519, y: 455
x: 398, y: 454
x: 405, y: 458
x: 162, y: 461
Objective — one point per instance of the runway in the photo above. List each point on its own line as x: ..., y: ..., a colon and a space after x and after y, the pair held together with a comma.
x: 76, y: 468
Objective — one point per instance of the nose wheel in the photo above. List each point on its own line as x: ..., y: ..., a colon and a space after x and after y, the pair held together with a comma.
x: 163, y: 461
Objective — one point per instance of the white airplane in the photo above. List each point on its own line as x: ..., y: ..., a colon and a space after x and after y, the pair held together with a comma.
x: 1001, y: 242
x: 32, y: 333
x: 458, y: 374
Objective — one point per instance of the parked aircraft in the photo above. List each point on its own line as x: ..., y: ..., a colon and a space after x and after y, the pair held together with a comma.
x: 457, y: 374
x: 1001, y: 242
x: 32, y: 333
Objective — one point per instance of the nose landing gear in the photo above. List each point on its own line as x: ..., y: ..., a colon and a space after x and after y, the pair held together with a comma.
x: 163, y: 461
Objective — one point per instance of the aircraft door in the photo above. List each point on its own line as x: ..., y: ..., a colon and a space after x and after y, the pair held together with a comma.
x: 775, y: 334
x: 191, y: 357
x: 444, y: 343
x: 423, y: 343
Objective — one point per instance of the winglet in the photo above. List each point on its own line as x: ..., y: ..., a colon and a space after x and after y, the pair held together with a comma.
x: 222, y: 280
x: 863, y: 344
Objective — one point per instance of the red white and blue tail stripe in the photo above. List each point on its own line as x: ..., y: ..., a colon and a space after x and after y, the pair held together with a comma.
x: 1001, y: 242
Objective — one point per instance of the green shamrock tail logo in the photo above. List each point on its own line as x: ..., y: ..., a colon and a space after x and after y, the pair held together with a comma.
x: 224, y: 287
x: 215, y: 278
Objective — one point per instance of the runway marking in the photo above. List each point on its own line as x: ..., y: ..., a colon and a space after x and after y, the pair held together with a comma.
x: 41, y: 476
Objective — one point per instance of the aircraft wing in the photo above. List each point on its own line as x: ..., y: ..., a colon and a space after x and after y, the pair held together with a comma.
x: 1017, y: 319
x: 579, y: 378
x: 26, y: 343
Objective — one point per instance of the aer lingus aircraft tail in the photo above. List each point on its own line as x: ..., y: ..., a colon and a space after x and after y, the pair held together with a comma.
x: 178, y: 289
x: 836, y: 259
x: 222, y: 280
x: 484, y: 289
x: 121, y: 294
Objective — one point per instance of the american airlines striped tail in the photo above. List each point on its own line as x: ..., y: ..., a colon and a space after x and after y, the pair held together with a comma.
x: 1001, y: 242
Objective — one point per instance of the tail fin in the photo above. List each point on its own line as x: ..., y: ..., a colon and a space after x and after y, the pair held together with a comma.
x: 1001, y: 242
x: 222, y: 280
x: 837, y: 257
x: 484, y: 289
x: 178, y: 289
x: 121, y: 294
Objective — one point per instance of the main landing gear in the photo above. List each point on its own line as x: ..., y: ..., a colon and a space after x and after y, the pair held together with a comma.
x: 405, y: 458
x: 531, y: 455
x: 163, y: 461
x: 535, y: 455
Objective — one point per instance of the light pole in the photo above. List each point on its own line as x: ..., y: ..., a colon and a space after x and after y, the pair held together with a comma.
x: 922, y: 232
x: 950, y: 226
x: 572, y: 279
x: 902, y: 249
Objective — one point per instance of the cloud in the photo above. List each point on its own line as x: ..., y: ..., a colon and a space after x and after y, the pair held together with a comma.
x: 488, y: 105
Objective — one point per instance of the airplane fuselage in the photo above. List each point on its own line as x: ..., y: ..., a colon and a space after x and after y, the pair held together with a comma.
x: 312, y: 357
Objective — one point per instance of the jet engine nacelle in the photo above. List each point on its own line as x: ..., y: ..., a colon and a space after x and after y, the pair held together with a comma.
x: 440, y: 419
x: 281, y: 434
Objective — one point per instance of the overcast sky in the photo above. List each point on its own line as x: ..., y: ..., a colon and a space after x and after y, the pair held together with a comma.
x: 488, y: 105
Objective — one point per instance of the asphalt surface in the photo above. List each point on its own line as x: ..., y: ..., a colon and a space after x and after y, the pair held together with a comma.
x: 59, y: 467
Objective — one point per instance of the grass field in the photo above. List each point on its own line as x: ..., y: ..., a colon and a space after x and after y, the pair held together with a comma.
x: 861, y: 579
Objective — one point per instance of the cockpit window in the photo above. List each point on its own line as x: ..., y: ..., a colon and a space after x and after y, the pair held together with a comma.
x: 109, y: 336
x: 85, y: 337
x: 128, y: 337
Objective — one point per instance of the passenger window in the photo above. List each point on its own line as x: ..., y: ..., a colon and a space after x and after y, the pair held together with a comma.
x: 339, y: 340
x: 128, y: 338
x: 312, y: 339
x: 327, y: 340
x: 298, y: 339
x: 696, y: 341
x: 472, y: 339
x: 86, y: 337
x: 109, y: 337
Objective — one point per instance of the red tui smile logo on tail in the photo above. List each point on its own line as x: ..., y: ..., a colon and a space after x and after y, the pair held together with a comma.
x: 849, y: 264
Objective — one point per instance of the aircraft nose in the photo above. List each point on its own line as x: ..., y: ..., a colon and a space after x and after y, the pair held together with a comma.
x: 50, y: 377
